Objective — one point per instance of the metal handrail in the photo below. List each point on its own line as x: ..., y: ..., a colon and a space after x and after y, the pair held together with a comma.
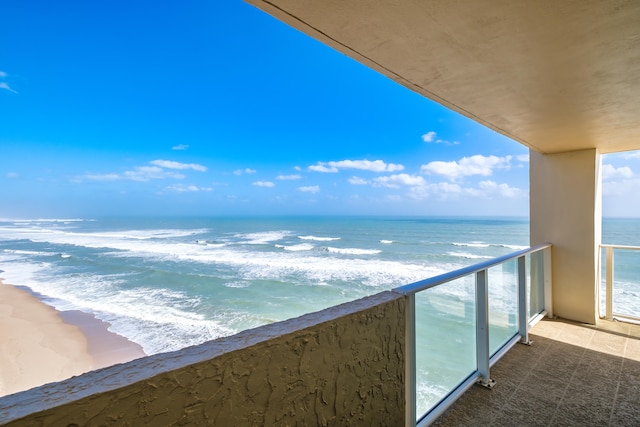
x: 637, y: 248
x: 434, y: 281
x: 483, y: 358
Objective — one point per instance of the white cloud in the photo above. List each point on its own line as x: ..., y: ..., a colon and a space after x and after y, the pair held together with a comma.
x: 140, y: 173
x: 625, y: 191
x: 632, y: 155
x: 445, y: 142
x: 446, y: 187
x: 177, y: 165
x: 620, y: 198
x: 373, y: 166
x: 182, y: 188
x: 467, y: 166
x: 5, y: 85
x: 448, y: 191
x: 180, y: 147
x: 102, y: 177
x: 310, y: 189
x: 611, y: 172
x: 267, y: 184
x: 395, y: 181
x: 12, y: 175
x: 323, y: 168
x: 429, y: 136
x: 368, y: 165
x: 288, y: 177
x: 492, y: 188
x: 357, y: 181
x: 524, y: 158
x: 442, y: 190
x: 246, y: 170
x: 147, y: 173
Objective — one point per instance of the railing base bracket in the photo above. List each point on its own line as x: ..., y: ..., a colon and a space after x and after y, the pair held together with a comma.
x: 486, y: 383
x: 527, y: 342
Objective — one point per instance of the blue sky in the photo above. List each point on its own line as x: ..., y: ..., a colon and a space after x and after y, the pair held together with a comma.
x: 215, y: 108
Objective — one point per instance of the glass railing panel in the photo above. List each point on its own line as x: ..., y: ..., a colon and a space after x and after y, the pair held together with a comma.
x: 445, y: 340
x: 626, y: 281
x: 603, y: 281
x: 535, y: 282
x: 626, y: 289
x: 449, y: 345
x: 503, y: 303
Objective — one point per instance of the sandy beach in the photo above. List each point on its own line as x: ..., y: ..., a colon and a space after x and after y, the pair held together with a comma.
x: 39, y: 344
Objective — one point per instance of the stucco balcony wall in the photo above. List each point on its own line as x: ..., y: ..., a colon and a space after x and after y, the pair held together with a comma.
x: 339, y: 366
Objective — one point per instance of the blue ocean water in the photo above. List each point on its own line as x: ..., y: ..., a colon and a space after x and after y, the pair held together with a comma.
x: 168, y: 283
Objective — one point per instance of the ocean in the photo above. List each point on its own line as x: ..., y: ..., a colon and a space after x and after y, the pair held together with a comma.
x: 169, y: 283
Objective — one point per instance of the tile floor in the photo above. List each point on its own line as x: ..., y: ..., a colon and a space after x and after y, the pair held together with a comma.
x: 573, y: 375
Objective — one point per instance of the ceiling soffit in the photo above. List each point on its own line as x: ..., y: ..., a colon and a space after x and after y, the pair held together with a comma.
x: 553, y: 75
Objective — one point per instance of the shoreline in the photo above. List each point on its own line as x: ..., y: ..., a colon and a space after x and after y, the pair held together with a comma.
x: 40, y: 345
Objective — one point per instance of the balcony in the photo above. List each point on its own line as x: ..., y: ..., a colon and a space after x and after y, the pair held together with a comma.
x: 518, y: 68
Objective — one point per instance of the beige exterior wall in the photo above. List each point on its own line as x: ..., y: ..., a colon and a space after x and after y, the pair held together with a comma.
x: 565, y: 210
x: 340, y: 366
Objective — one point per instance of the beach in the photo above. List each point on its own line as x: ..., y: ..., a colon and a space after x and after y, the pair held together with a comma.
x: 40, y: 345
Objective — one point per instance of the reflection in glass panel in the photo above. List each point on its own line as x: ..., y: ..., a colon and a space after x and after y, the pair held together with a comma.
x: 445, y: 340
x: 535, y: 279
x: 626, y: 286
x: 503, y: 303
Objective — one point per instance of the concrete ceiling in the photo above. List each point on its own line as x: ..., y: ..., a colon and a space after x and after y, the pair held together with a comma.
x: 554, y: 75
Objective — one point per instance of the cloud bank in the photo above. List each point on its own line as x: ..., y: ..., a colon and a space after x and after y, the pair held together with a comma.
x: 467, y: 166
x: 366, y: 165
x: 159, y: 169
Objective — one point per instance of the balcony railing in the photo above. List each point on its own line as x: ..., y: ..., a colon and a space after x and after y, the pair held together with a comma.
x: 460, y: 323
x: 622, y: 285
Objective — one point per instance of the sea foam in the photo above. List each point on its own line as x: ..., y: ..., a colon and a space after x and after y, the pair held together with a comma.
x: 172, y: 286
x: 319, y: 239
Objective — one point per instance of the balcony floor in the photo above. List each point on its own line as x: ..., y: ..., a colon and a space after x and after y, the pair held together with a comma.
x: 572, y: 375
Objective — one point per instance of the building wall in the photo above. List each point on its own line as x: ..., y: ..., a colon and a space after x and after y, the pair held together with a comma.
x: 565, y: 206
x: 340, y: 366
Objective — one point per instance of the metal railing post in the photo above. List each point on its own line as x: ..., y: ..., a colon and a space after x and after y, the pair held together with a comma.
x: 548, y: 282
x: 523, y: 302
x: 482, y: 329
x: 609, y: 285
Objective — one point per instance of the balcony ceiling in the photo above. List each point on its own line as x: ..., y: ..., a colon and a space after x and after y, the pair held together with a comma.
x: 554, y: 75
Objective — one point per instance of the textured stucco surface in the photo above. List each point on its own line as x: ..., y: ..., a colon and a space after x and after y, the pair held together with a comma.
x: 340, y: 366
